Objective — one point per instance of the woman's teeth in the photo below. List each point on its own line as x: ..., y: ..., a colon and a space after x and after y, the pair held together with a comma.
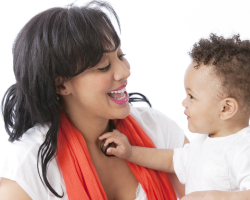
x: 119, y: 91
x: 124, y: 95
x: 118, y: 95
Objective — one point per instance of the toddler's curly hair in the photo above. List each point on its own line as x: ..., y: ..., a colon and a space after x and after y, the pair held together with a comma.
x: 230, y: 58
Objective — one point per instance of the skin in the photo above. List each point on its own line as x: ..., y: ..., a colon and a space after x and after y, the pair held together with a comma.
x: 10, y: 190
x: 87, y: 104
x: 209, y: 111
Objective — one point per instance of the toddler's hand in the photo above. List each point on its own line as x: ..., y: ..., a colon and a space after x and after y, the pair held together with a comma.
x: 123, y: 148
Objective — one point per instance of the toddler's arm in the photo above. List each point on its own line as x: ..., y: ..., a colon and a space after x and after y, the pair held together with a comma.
x: 215, y: 195
x: 157, y: 159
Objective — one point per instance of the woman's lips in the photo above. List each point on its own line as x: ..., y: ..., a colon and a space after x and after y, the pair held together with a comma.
x: 119, y: 88
x: 122, y: 100
x: 119, y: 95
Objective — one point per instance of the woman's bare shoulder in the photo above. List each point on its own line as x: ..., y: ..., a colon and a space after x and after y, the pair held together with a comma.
x: 10, y: 190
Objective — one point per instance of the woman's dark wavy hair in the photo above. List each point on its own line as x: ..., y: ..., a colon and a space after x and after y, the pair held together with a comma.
x: 230, y: 58
x: 57, y: 42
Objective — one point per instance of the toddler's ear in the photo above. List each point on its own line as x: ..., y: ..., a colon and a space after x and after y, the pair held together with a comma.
x: 229, y: 107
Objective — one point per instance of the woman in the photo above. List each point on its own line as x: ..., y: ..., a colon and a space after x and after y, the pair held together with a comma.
x: 71, y: 80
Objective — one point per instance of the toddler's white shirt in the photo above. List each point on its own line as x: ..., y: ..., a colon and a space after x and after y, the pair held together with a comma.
x: 215, y: 163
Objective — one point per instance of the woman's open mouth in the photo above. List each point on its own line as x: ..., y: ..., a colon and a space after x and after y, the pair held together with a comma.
x: 119, y: 95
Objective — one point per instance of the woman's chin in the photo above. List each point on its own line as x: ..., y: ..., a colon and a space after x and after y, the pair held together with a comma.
x: 123, y: 112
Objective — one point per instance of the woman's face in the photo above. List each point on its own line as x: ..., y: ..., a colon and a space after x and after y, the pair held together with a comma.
x: 101, y: 90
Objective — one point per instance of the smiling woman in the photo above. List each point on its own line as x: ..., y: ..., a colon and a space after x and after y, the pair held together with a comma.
x: 71, y: 78
x: 100, y: 84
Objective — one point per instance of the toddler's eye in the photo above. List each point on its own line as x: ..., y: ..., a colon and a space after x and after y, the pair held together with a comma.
x: 104, y: 68
x: 121, y: 56
x: 191, y: 97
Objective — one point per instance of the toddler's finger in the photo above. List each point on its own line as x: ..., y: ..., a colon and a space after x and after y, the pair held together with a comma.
x: 111, y: 151
x: 118, y: 152
x: 112, y: 139
x: 117, y: 132
x: 106, y: 135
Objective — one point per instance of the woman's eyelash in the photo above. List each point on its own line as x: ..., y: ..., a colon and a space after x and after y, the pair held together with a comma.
x: 121, y: 56
x: 104, y: 68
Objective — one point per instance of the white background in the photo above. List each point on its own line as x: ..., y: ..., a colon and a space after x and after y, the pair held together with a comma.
x: 156, y: 36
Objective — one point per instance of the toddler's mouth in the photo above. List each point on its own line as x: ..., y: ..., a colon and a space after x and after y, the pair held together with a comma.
x: 186, y: 115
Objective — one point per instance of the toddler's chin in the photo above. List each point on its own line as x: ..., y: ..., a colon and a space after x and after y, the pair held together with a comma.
x: 192, y: 129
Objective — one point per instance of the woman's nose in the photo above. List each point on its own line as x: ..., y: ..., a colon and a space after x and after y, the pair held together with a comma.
x: 122, y: 70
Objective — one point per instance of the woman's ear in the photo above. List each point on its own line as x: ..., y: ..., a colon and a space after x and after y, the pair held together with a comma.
x: 229, y: 107
x: 60, y: 86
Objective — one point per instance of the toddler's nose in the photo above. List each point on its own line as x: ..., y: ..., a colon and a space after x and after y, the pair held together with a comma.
x: 184, y: 103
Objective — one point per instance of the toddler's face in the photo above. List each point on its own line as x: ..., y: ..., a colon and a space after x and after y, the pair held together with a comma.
x: 203, y: 97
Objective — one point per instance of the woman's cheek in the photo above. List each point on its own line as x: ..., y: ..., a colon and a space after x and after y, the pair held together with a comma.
x: 103, y: 85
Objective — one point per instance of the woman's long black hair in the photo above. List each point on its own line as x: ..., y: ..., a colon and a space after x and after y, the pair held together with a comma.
x: 57, y: 42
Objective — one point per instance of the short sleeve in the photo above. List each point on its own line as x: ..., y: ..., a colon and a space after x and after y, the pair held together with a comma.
x: 9, y: 160
x: 180, y: 160
x: 19, y: 163
x: 242, y: 169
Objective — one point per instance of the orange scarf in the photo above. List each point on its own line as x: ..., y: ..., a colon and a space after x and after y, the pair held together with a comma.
x: 80, y: 176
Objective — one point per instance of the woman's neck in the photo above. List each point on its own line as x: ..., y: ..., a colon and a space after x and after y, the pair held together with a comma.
x: 91, y: 127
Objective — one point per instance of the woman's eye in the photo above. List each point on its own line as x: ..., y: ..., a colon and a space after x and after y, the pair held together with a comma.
x: 191, y: 97
x: 104, y: 68
x: 121, y: 56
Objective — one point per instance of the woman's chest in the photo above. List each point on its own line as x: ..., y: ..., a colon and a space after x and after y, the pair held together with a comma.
x: 118, y: 181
